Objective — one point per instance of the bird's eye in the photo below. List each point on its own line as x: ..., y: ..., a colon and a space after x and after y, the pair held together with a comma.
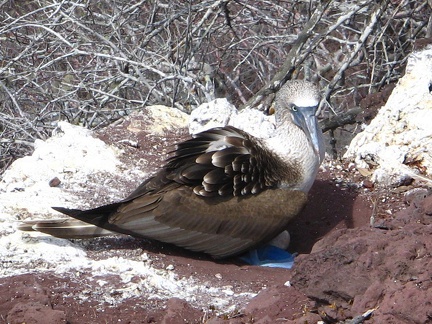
x: 294, y: 108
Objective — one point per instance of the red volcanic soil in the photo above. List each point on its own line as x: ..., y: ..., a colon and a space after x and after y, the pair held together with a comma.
x: 359, y: 249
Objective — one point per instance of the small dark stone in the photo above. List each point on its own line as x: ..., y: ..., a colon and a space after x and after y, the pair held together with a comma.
x: 368, y: 184
x: 405, y: 181
x: 54, y: 182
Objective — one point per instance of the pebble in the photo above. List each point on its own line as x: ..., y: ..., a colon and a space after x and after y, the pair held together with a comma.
x: 54, y: 182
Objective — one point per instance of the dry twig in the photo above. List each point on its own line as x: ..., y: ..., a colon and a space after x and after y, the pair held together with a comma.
x: 94, y: 62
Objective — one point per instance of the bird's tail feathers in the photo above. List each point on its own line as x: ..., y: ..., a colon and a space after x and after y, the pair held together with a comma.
x: 84, y: 224
x: 97, y: 216
x: 64, y: 228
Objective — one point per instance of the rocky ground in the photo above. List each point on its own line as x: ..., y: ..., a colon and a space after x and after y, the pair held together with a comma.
x: 364, y: 254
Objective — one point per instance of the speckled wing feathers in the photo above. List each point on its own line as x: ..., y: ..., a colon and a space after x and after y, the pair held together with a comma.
x: 221, y: 162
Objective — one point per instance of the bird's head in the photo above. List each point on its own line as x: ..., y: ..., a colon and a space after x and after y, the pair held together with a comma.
x: 297, y: 103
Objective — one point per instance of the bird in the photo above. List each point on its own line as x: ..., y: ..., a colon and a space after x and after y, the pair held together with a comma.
x: 223, y: 191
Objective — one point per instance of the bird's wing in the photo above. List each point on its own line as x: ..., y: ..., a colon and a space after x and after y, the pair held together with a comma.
x: 222, y: 162
x: 219, y: 226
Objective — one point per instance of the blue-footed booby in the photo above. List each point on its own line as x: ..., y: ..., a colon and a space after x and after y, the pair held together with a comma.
x: 221, y: 192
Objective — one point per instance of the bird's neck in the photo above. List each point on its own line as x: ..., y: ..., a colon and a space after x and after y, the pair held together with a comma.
x: 291, y: 144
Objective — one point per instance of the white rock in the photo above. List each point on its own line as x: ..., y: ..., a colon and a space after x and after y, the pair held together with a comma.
x: 281, y: 241
x: 220, y: 112
x: 216, y: 113
x: 254, y: 122
x: 402, y: 128
x: 71, y: 154
x: 71, y: 149
x: 163, y: 119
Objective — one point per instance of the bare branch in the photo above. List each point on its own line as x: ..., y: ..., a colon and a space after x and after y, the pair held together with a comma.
x: 94, y: 62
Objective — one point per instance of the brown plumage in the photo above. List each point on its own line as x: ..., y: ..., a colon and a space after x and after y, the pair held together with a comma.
x: 222, y: 192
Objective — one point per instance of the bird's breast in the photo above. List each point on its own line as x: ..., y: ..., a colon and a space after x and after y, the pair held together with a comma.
x: 295, y: 149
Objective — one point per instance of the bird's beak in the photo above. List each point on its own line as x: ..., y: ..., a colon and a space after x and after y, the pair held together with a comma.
x: 305, y: 118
